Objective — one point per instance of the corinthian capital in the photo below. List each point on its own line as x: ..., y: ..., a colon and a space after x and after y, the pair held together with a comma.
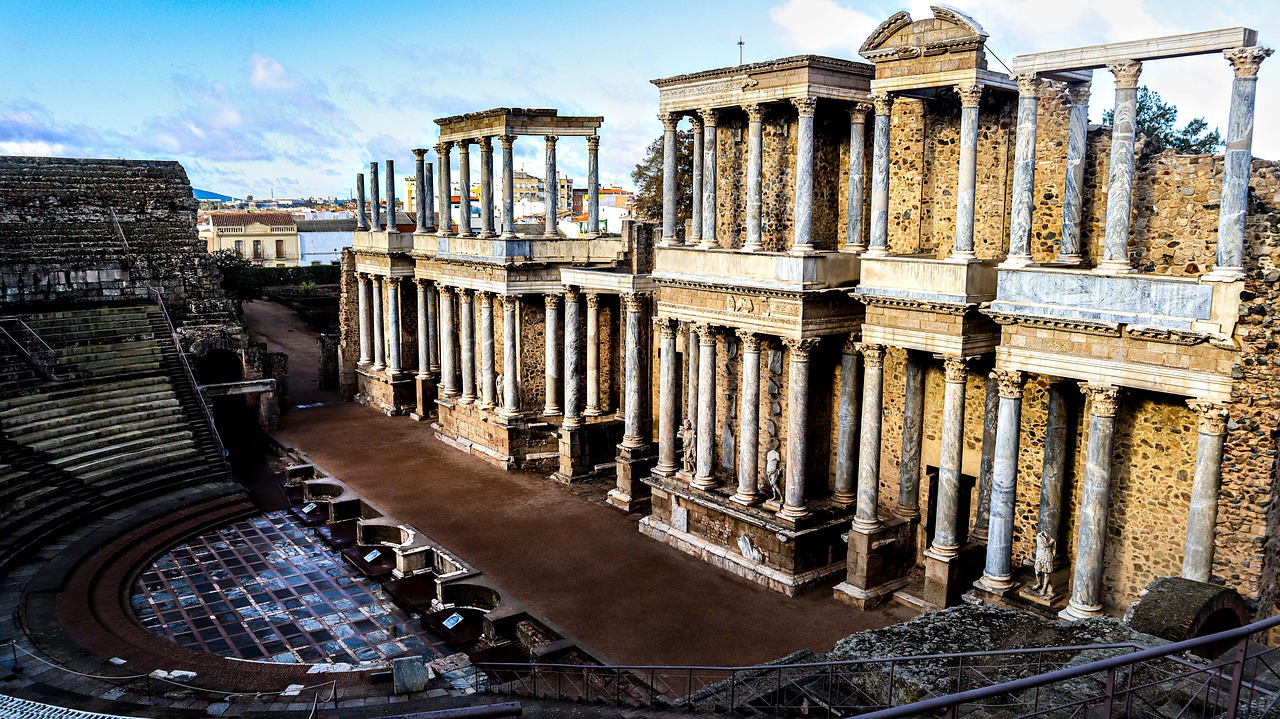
x: 970, y: 94
x: 1103, y: 398
x: 800, y: 348
x: 872, y: 354
x: 1009, y: 382
x: 669, y: 120
x: 805, y: 105
x: 1245, y: 60
x: 956, y: 369
x: 750, y: 341
x: 1126, y: 72
x: 1028, y: 84
x: 1212, y: 415
x: 883, y: 102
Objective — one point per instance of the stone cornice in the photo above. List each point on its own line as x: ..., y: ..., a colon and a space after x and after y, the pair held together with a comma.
x: 907, y: 303
x: 1105, y: 329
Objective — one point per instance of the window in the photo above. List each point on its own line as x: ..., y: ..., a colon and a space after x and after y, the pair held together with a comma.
x: 280, y: 249
x: 240, y: 248
x: 257, y: 249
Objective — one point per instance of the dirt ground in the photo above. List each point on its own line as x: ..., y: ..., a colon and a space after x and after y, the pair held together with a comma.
x: 284, y: 331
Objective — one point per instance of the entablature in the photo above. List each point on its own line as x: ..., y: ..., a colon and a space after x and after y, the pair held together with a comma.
x: 755, y: 271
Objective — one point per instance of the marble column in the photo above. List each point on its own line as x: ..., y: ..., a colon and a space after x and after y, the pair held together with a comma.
x: 997, y: 575
x: 508, y: 186
x: 912, y: 439
x: 464, y: 189
x: 488, y: 370
x: 946, y: 535
x: 986, y: 466
x: 709, y: 148
x: 363, y: 310
x: 793, y: 505
x: 445, y: 193
x: 593, y: 355
x: 552, y: 190
x: 1053, y: 469
x: 846, y: 492
x: 467, y: 327
x: 633, y: 411
x: 853, y: 239
x: 510, y: 356
x: 691, y: 374
x: 668, y: 414
x: 749, y: 421
x: 1115, y: 249
x: 552, y: 354
x: 433, y: 331
x: 362, y: 219
x: 1073, y: 186
x: 375, y: 203
x: 1091, y: 536
x: 572, y: 357
x: 424, y: 354
x: 379, y: 328
x: 669, y: 161
x: 704, y: 477
x: 1197, y: 552
x: 755, y: 171
x: 486, y: 187
x: 879, y: 246
x: 393, y: 324
x: 391, y: 197
x: 1024, y: 172
x: 1229, y: 262
x: 593, y: 185
x: 695, y: 217
x: 970, y: 97
x: 428, y: 196
x: 867, y: 517
x: 420, y: 190
x: 802, y: 241
x: 448, y: 344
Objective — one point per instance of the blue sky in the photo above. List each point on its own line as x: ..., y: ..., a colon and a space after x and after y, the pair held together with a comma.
x: 295, y: 97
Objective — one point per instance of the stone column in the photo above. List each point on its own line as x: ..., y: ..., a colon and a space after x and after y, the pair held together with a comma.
x: 847, y: 428
x: 593, y: 185
x: 433, y: 331
x: 593, y: 355
x: 695, y: 217
x: 997, y: 575
x: 1115, y: 250
x: 508, y: 186
x: 486, y: 187
x: 464, y: 189
x: 946, y: 536
x: 362, y: 219
x: 704, y: 477
x: 552, y: 355
x: 749, y: 421
x: 488, y: 370
x: 1024, y: 172
x: 363, y: 309
x: 552, y: 190
x: 379, y: 329
x: 1054, y: 467
x: 393, y: 323
x: 1229, y: 262
x: 883, y: 102
x: 854, y: 241
x: 802, y: 243
x: 793, y: 506
x: 428, y: 196
x: 668, y: 415
x: 510, y: 356
x: 420, y: 191
x: 709, y: 147
x: 986, y: 468
x: 391, y: 197
x: 867, y: 518
x: 1073, y: 187
x: 669, y: 160
x: 448, y: 344
x: 1197, y: 553
x: 1086, y: 580
x: 424, y: 354
x: 970, y: 97
x: 467, y: 325
x: 632, y: 432
x: 445, y: 192
x: 755, y: 165
x: 691, y: 374
x: 912, y: 439
x: 375, y: 204
x: 572, y: 357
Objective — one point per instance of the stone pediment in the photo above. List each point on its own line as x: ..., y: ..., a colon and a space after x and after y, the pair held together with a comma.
x: 950, y: 40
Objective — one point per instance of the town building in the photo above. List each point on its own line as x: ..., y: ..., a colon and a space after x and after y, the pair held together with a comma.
x: 320, y: 242
x: 267, y: 238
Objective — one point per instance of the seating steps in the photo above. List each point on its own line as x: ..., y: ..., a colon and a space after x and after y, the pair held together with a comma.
x: 15, y: 708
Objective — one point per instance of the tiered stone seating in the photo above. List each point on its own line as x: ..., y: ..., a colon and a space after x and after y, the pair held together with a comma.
x: 15, y: 708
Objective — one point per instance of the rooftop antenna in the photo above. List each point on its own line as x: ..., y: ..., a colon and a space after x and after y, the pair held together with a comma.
x: 740, y: 44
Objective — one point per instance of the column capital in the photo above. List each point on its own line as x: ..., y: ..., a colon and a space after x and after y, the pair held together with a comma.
x: 485, y: 298
x: 708, y: 115
x: 696, y: 120
x: 1028, y: 84
x: 1009, y: 382
x: 1212, y: 415
x: 750, y: 341
x: 669, y: 120
x: 361, y: 276
x: 393, y: 281
x: 551, y: 301
x: 376, y: 279
x: 666, y: 327
x: 442, y: 148
x: 507, y: 141
x: 593, y: 300
x: 1078, y: 93
x: 445, y: 290
x: 956, y: 369
x: 705, y: 332
x: 1103, y: 398
x: 883, y: 102
x: 633, y: 301
x: 1245, y: 60
x: 421, y: 281
x: 593, y: 142
x: 551, y: 141
x: 419, y: 152
x: 872, y: 354
x: 572, y: 293
x: 858, y: 112
x: 805, y: 105
x: 1126, y: 73
x: 464, y: 295
x: 755, y: 111
x: 462, y: 143
x: 510, y: 302
x: 485, y: 143
x: 800, y: 348
x: 970, y: 93
x: 850, y: 345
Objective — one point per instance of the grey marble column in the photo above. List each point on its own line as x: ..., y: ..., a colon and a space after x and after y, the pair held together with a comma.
x: 912, y: 438
x: 593, y: 185
x: 467, y: 327
x: 1115, y: 250
x: 1197, y: 552
x: 749, y: 421
x: 1053, y: 469
x: 986, y: 467
x: 946, y: 535
x: 551, y: 344
x: 1237, y: 161
x: 393, y: 324
x: 464, y: 189
x: 846, y: 492
x: 867, y: 517
x: 880, y: 176
x: 433, y: 331
x: 424, y: 354
x: 633, y: 409
x: 695, y: 217
x: 1073, y: 186
x: 488, y: 369
x: 691, y: 373
x: 755, y: 170
x: 997, y: 575
x: 793, y: 506
x: 510, y: 356
x: 1091, y: 537
x: 593, y: 355
x: 853, y: 238
x: 668, y: 401
x: 445, y: 193
x: 363, y: 310
x: 448, y: 344
x: 552, y: 189
x: 709, y: 152
x: 572, y: 357
x: 802, y: 241
x: 508, y: 186
x: 486, y: 187
x: 704, y: 477
x: 428, y: 196
x: 375, y: 203
x: 1024, y: 172
x: 379, y: 327
x: 669, y: 160
x: 362, y: 218
x: 420, y: 189
x: 970, y: 98
x: 391, y: 197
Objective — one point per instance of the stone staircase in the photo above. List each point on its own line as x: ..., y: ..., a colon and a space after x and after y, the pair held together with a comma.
x: 15, y: 708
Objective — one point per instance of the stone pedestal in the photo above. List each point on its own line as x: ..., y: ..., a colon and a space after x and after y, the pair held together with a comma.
x: 575, y: 459
x: 392, y: 395
x: 426, y: 391
x: 948, y: 576
x: 634, y: 465
x: 878, y: 562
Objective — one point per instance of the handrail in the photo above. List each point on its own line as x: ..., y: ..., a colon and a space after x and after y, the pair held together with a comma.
x: 158, y: 297
x: 47, y: 364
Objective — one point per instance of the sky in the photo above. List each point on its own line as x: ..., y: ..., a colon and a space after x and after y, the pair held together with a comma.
x: 290, y: 99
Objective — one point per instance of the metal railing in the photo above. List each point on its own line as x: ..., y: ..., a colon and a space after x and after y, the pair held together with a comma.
x: 1095, y: 680
x: 158, y: 297
x: 34, y: 350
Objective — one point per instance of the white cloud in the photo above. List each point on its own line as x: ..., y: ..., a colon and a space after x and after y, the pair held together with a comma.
x: 822, y: 26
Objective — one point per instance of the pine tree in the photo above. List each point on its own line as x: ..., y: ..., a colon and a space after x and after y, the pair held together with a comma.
x: 648, y: 179
x: 1156, y: 120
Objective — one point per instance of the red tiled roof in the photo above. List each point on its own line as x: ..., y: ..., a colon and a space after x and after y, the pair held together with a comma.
x: 244, y: 219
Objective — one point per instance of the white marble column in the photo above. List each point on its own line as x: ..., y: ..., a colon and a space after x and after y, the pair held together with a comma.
x: 854, y: 240
x: 551, y: 345
x: 448, y: 344
x: 375, y: 203
x: 428, y: 196
x: 1236, y: 163
x: 391, y: 197
x: 632, y: 432
x: 1024, y: 172
x: 908, y: 504
x: 709, y: 148
x: 793, y: 506
x: 1197, y: 552
x: 420, y: 190
x: 572, y: 357
x: 488, y: 370
x: 1115, y: 250
x: 593, y: 185
x: 755, y: 171
x: 510, y: 356
x: 1073, y: 186
x: 946, y: 535
x: 362, y: 218
x: 1054, y: 466
x: 749, y: 421
x: 464, y: 189
x: 379, y: 328
x: 467, y: 325
x: 879, y: 246
x: 669, y: 162
x: 552, y: 189
x: 508, y: 186
x: 593, y: 355
x: 705, y: 476
x: 486, y: 187
x: 433, y: 330
x: 363, y: 309
x: 424, y: 354
x: 1091, y: 536
x: 867, y: 517
x: 691, y: 355
x: 846, y: 490
x: 802, y: 241
x: 997, y: 575
x: 970, y: 97
x: 393, y: 324
x: 445, y: 191
x: 668, y: 401
x: 695, y: 217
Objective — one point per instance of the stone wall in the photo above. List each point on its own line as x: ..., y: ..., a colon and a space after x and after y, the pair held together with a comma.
x: 348, y: 326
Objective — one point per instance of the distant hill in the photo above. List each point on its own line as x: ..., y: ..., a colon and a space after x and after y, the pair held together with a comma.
x: 207, y: 195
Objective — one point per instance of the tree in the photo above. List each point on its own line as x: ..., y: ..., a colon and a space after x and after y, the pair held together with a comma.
x: 648, y: 179
x: 1156, y: 118
x: 240, y: 279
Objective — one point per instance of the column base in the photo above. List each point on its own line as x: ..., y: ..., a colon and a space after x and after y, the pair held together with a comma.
x: 1224, y: 274
x: 853, y: 249
x: 487, y: 235
x: 999, y: 586
x: 878, y: 562
x: 551, y: 411
x: 802, y: 250
x: 962, y: 258
x: 876, y: 252
x: 704, y: 483
x: 845, y: 499
x: 1074, y: 612
x: 592, y: 412
x: 794, y: 513
x: 1072, y: 260
x: 746, y: 499
x: 1013, y: 262
x: 751, y: 248
x: 1114, y: 267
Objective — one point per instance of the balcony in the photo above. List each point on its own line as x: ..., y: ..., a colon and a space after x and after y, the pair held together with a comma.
x: 759, y: 270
